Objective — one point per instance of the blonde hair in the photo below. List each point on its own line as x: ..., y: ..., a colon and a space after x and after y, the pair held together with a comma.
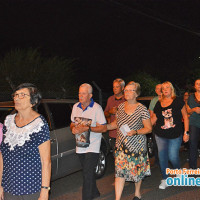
x: 172, y: 88
x: 137, y: 85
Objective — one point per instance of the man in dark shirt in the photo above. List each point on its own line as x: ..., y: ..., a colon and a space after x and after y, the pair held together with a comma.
x: 111, y: 107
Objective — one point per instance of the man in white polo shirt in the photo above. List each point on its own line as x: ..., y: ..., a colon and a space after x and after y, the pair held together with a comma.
x: 88, y: 123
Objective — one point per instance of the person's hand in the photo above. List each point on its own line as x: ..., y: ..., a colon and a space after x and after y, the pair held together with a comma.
x: 79, y: 129
x: 186, y: 137
x: 75, y: 130
x: 197, y: 110
x: 44, y: 194
x: 43, y: 197
x: 131, y: 133
x: 113, y: 110
x: 1, y: 193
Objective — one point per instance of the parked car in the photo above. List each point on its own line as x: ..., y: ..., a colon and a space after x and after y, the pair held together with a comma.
x: 63, y: 157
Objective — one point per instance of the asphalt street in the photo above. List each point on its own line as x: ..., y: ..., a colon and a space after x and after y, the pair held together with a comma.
x: 69, y: 187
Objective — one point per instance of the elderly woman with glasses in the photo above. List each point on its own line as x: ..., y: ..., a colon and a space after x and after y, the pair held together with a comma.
x: 25, y: 164
x: 131, y: 158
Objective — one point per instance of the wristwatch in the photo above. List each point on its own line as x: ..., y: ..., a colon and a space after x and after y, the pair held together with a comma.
x: 187, y: 132
x: 44, y: 187
x: 136, y: 132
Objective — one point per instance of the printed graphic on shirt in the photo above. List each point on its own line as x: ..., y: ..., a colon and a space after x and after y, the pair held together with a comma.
x: 168, y: 119
x: 83, y: 139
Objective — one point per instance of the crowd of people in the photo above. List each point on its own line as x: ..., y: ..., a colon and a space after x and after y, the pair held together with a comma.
x: 25, y: 163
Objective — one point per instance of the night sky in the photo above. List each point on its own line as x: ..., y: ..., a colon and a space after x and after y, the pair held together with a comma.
x: 109, y: 39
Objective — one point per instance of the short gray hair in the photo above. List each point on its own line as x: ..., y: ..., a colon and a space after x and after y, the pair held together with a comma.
x: 137, y: 85
x: 120, y: 81
x: 88, y: 86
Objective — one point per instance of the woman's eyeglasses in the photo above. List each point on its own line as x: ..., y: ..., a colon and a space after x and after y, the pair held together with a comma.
x: 20, y: 95
x: 129, y: 90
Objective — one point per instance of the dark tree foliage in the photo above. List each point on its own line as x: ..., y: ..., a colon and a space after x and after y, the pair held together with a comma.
x: 51, y: 75
x: 146, y: 81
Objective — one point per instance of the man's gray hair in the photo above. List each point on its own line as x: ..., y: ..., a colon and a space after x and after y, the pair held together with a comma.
x: 120, y: 81
x: 88, y: 86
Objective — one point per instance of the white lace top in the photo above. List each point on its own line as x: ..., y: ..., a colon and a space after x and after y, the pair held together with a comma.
x: 19, y: 135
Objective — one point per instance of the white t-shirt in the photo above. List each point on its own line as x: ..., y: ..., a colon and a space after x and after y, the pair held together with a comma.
x: 94, y: 112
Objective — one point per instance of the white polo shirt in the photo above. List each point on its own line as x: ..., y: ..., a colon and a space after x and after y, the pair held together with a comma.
x: 94, y: 112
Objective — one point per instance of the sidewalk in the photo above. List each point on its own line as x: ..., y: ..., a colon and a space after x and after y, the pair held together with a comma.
x: 150, y: 190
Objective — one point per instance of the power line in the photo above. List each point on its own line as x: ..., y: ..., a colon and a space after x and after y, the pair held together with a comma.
x: 128, y: 8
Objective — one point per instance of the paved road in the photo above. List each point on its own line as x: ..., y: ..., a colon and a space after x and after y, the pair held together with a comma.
x: 69, y: 188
